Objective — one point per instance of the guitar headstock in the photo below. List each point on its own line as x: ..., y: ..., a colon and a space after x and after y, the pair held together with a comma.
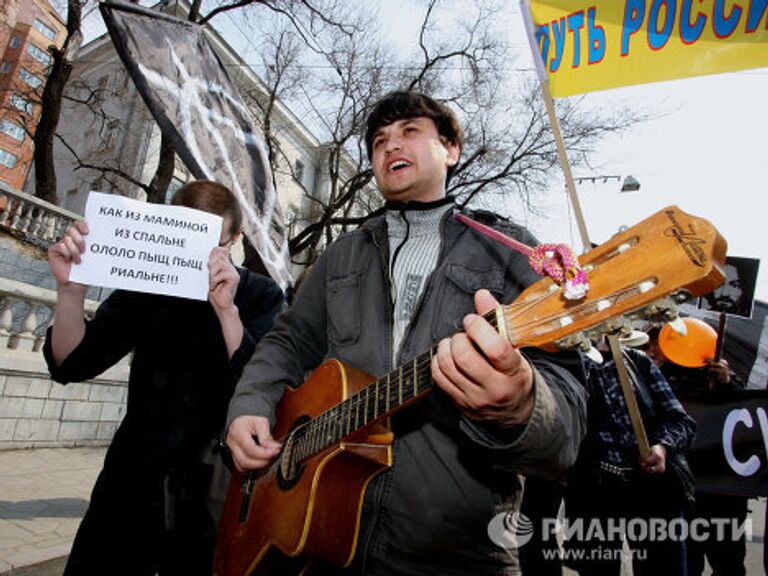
x: 643, y: 271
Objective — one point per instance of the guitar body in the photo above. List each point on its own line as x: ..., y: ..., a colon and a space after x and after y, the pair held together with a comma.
x: 284, y: 521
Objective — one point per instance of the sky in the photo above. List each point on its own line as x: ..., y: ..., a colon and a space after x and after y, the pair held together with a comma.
x: 707, y: 154
x: 705, y: 151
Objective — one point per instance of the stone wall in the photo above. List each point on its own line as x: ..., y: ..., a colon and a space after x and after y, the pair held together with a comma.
x: 37, y: 412
x: 34, y: 411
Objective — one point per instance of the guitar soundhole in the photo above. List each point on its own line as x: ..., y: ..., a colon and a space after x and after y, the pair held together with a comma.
x: 289, y: 467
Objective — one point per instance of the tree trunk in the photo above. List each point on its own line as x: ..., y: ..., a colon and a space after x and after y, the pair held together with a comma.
x: 164, y: 172
x: 50, y: 101
x: 45, y: 172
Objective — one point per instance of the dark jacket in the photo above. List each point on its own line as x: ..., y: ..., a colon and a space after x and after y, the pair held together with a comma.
x: 149, y: 506
x: 610, y: 428
x: 430, y: 512
x: 181, y: 378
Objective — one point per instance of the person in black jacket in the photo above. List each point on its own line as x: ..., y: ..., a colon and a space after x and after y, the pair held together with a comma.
x: 148, y: 512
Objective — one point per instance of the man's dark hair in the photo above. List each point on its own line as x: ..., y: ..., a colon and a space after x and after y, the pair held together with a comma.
x: 402, y: 105
x: 210, y: 197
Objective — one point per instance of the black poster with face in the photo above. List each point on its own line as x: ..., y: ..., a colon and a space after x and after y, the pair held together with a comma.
x: 736, y: 295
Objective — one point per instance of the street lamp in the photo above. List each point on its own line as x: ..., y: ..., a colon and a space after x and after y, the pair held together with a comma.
x: 630, y: 184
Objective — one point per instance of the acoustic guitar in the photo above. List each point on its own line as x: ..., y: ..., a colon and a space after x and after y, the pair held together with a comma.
x: 306, y: 505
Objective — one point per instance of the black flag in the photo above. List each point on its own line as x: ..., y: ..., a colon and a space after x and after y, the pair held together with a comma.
x: 728, y: 455
x: 197, y: 105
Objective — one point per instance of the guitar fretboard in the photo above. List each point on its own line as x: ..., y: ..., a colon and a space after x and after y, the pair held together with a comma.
x: 377, y: 400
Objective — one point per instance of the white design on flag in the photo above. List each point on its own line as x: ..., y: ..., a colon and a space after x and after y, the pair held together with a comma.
x: 188, y: 92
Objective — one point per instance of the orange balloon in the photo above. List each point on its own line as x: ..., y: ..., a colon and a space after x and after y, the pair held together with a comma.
x: 690, y: 350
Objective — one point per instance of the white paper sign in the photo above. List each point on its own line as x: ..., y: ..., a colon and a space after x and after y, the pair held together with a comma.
x: 147, y: 247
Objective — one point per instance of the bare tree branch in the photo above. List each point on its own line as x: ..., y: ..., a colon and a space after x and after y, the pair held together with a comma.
x: 81, y: 164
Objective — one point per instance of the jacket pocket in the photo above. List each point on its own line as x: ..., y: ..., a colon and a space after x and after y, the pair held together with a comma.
x: 456, y: 296
x: 344, y: 310
x: 470, y: 281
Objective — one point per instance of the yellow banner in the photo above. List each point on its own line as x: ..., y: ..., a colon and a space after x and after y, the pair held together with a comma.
x: 594, y: 45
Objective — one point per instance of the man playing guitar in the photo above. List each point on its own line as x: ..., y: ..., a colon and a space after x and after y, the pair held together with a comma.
x: 378, y: 297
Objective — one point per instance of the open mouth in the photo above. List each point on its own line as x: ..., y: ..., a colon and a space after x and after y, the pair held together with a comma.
x: 398, y: 165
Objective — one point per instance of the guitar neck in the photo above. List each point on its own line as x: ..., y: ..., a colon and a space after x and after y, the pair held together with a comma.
x: 376, y: 401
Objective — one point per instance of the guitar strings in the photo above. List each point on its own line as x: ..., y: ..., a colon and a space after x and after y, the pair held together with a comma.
x: 527, y: 328
x: 419, y: 369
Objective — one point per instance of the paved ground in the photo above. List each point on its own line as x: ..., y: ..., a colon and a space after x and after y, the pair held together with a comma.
x: 44, y: 493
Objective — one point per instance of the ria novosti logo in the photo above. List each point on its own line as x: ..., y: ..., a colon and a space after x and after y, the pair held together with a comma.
x: 510, y: 530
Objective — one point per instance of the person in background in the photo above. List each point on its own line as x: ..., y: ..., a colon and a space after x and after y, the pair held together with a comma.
x: 378, y: 297
x: 726, y: 555
x: 612, y: 484
x: 148, y: 512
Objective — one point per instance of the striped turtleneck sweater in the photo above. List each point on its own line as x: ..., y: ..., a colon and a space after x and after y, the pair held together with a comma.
x: 414, y: 246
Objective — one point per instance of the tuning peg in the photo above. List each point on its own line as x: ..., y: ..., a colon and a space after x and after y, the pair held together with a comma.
x: 576, y: 340
x: 619, y: 325
x: 679, y: 326
x: 633, y: 338
x: 580, y: 341
x: 594, y: 354
x: 663, y: 310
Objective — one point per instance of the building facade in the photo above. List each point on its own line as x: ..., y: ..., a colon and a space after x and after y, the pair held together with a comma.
x: 27, y: 29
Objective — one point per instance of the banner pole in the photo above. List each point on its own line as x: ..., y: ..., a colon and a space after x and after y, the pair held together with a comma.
x: 525, y: 9
x: 562, y: 153
x: 629, y: 396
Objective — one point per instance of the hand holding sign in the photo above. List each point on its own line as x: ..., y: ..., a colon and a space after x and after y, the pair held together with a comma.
x: 143, y: 247
x: 63, y: 254
x: 223, y: 279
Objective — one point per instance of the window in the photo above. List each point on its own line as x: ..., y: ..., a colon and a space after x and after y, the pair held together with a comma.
x: 13, y: 130
x: 40, y: 55
x: 21, y: 103
x: 298, y: 171
x: 4, y: 67
x: 14, y: 43
x: 44, y: 29
x: 7, y: 159
x: 29, y: 78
